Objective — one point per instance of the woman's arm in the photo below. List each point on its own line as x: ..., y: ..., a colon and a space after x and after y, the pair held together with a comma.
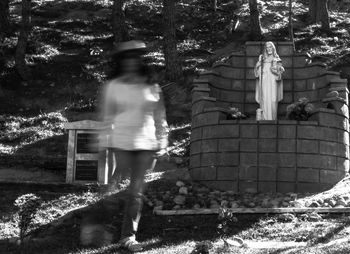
x: 108, y: 106
x: 160, y: 121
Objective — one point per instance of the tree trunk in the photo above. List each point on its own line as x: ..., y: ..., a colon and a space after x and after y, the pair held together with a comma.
x: 291, y: 32
x: 120, y: 30
x: 313, y: 10
x: 4, y: 28
x: 324, y: 14
x: 214, y: 4
x: 255, y: 25
x: 172, y: 66
x: 21, y: 66
x: 318, y: 12
x: 4, y: 18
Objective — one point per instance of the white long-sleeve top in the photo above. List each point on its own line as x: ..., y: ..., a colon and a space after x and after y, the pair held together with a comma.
x: 135, y: 115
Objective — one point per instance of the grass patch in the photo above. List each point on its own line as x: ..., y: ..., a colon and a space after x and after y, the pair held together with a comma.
x: 160, y: 234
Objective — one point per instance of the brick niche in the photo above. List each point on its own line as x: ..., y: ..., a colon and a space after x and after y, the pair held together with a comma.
x: 269, y: 156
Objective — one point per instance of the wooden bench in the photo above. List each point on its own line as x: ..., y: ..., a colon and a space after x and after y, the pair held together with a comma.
x: 85, y: 163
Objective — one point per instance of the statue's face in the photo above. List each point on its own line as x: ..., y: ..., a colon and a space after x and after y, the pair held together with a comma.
x: 269, y: 49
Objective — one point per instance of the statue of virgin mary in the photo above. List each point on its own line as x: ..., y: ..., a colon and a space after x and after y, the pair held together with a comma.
x: 269, y: 85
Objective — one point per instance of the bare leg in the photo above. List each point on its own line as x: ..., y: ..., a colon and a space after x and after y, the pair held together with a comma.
x: 140, y: 162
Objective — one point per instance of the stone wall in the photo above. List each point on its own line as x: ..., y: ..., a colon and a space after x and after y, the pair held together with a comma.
x: 269, y: 156
x: 276, y: 156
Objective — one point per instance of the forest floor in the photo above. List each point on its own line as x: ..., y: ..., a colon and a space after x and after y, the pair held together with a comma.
x: 68, y: 54
x: 87, y: 219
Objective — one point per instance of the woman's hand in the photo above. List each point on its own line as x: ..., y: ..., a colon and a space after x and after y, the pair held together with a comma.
x: 162, y: 152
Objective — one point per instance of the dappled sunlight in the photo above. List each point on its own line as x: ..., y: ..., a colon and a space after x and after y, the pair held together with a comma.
x: 20, y: 131
x: 68, y: 53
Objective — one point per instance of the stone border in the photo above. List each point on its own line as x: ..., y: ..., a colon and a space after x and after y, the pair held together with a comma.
x: 252, y: 211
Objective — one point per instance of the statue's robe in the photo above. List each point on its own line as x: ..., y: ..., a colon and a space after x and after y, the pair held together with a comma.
x: 269, y: 86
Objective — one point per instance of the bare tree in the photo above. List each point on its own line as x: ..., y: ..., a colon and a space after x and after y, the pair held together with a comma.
x: 4, y: 26
x: 4, y: 17
x: 255, y: 25
x: 214, y: 4
x: 172, y: 66
x: 318, y: 12
x: 290, y: 25
x: 120, y: 30
x: 21, y: 49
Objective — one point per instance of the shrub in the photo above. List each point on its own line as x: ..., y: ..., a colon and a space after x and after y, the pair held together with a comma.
x: 234, y: 114
x: 300, y: 110
x: 28, y: 205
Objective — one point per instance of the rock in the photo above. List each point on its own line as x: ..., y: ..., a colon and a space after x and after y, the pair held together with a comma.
x: 166, y: 197
x: 231, y: 193
x: 286, y: 217
x: 320, y: 201
x: 180, y: 183
x: 183, y: 190
x: 224, y: 203
x: 332, y: 202
x: 341, y: 202
x: 285, y: 204
x: 265, y: 203
x: 201, y: 195
x: 178, y: 160
x: 214, y: 202
x: 158, y: 203
x: 314, y: 217
x: 314, y: 204
x: 251, y: 204
x: 196, y: 206
x: 235, y: 241
x: 234, y: 204
x: 287, y: 199
x: 177, y: 207
x: 158, y: 208
x: 216, y: 192
x: 293, y: 196
x: 346, y: 198
x: 211, y: 196
x: 203, y: 190
x: 275, y: 202
x: 180, y: 200
x: 251, y: 190
x: 214, y: 206
x: 297, y: 204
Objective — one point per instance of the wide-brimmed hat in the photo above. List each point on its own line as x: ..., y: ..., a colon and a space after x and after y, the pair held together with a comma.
x: 130, y: 46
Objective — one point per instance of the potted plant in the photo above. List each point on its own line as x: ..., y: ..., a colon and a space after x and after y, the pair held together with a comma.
x: 300, y: 110
x: 234, y: 114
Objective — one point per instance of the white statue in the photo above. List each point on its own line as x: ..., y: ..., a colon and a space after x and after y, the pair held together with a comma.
x: 269, y: 85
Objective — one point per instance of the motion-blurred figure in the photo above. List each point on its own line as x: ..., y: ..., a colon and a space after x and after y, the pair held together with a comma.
x: 133, y: 109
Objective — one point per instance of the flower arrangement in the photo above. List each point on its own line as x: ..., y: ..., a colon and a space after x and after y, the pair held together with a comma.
x: 234, y: 114
x: 300, y: 110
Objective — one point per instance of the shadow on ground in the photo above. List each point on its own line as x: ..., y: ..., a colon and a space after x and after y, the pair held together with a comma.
x: 98, y: 225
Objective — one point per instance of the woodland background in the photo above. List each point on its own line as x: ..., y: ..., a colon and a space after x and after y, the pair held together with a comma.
x: 54, y: 57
